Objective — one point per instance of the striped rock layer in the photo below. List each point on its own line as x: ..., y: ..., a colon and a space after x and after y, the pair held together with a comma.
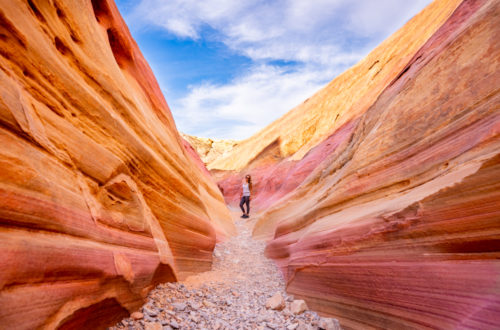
x: 397, y: 226
x: 99, y: 198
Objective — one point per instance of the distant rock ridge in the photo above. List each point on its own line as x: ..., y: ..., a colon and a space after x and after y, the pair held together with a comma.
x: 210, y: 149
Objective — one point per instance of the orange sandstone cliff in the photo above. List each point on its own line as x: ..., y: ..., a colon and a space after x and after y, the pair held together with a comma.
x: 397, y: 224
x: 99, y: 198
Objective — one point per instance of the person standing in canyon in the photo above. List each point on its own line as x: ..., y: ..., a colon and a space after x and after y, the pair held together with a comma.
x: 245, y: 195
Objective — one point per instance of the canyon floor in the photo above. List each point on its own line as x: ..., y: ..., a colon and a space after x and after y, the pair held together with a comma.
x: 233, y: 295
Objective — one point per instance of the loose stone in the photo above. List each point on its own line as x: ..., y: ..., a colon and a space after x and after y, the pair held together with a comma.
x: 298, y: 306
x: 276, y: 302
x: 137, y: 315
x: 179, y: 306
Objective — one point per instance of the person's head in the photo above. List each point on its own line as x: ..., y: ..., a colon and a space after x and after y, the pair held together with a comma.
x: 248, y: 178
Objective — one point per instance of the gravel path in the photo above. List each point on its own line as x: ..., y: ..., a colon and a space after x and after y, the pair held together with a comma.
x: 233, y: 295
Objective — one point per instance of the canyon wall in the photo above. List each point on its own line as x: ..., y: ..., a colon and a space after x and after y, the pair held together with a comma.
x: 280, y: 156
x: 397, y: 226
x: 99, y: 197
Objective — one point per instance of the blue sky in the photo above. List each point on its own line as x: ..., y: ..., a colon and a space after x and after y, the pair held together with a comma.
x: 228, y: 68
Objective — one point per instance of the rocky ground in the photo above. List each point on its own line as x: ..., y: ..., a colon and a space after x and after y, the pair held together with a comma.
x: 244, y: 290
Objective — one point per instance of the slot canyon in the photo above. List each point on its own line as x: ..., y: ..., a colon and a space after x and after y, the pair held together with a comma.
x: 375, y: 202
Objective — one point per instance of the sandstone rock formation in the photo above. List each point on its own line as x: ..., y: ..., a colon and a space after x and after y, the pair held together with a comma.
x: 99, y: 199
x: 398, y: 224
x: 208, y: 149
x: 279, y: 157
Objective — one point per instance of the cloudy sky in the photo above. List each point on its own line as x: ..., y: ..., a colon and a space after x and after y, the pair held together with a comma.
x: 228, y: 68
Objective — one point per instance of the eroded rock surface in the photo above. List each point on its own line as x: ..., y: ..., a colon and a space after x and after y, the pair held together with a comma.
x: 399, y: 226
x: 280, y: 157
x: 99, y: 200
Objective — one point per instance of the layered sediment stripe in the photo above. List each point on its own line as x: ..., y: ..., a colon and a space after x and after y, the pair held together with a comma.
x: 400, y: 229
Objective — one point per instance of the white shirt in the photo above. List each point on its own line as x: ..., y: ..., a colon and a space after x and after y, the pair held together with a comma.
x: 246, y: 189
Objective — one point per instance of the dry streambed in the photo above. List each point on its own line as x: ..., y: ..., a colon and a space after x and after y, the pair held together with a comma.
x: 244, y: 290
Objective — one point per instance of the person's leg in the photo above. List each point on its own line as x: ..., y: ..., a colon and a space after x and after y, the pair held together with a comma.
x: 242, y: 201
x: 247, y: 201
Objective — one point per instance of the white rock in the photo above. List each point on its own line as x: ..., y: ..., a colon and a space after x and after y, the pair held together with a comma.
x: 298, y: 306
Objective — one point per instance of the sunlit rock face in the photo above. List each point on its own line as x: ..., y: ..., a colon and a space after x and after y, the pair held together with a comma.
x: 398, y: 227
x: 99, y: 199
x: 208, y: 149
x: 282, y: 155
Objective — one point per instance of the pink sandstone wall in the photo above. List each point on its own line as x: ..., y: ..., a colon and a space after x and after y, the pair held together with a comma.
x: 400, y: 227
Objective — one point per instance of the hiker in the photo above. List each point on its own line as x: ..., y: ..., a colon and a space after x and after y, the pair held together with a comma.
x: 245, y: 195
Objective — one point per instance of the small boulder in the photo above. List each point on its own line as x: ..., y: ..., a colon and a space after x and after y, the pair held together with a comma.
x: 329, y: 324
x: 298, y: 307
x: 276, y: 302
x: 137, y: 315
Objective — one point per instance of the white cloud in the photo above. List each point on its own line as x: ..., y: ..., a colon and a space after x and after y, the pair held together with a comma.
x: 238, y: 109
x: 382, y: 16
x: 309, y: 31
x: 325, y: 37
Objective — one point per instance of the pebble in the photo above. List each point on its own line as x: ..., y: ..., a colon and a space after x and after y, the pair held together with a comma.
x: 137, y: 315
x: 174, y: 324
x: 244, y: 290
x: 179, y: 306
